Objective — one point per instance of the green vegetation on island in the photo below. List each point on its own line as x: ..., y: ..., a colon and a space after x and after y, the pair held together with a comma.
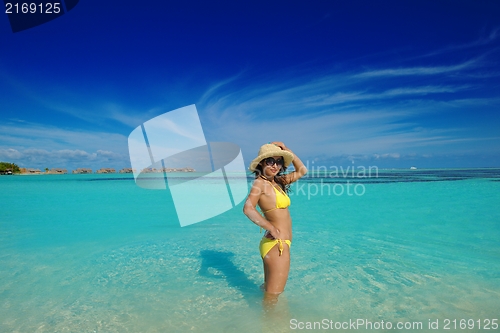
x: 7, y: 167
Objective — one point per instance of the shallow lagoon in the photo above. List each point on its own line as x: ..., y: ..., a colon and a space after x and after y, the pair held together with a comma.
x: 96, y: 253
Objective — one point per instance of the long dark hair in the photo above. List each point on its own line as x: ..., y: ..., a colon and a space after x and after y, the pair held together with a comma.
x: 279, y: 178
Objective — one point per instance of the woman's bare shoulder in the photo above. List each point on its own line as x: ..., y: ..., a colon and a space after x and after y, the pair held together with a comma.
x: 259, y: 182
x: 257, y: 189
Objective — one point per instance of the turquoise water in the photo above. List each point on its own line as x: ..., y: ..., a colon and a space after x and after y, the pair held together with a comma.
x: 96, y: 253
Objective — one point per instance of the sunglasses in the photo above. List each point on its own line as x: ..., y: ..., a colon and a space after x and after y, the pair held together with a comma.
x: 270, y: 161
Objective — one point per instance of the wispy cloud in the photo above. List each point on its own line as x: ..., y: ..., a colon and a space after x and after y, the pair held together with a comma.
x: 389, y: 112
x: 378, y: 111
x: 340, y: 98
x: 29, y: 134
x: 100, y: 112
x: 484, y: 40
x: 216, y: 86
x: 362, y: 132
x: 418, y: 71
x: 89, y: 106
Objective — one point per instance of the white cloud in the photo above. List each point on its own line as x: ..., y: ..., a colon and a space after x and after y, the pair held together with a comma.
x: 37, y: 145
x: 65, y: 158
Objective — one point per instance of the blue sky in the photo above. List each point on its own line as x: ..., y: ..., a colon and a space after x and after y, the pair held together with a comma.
x: 392, y: 84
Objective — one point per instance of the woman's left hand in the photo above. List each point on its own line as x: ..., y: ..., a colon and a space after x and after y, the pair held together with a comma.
x: 280, y: 144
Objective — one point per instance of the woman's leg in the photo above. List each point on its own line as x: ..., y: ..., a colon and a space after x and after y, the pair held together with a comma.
x: 276, y: 268
x: 263, y: 286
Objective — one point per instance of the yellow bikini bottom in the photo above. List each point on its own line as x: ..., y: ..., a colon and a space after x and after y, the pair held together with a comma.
x: 267, y: 244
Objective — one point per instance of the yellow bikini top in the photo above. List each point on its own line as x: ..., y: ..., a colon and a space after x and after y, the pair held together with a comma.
x: 282, y: 199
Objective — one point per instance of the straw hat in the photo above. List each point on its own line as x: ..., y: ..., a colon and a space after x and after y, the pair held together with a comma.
x: 270, y: 150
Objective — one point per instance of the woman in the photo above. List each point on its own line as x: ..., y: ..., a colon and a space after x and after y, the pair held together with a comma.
x: 269, y: 191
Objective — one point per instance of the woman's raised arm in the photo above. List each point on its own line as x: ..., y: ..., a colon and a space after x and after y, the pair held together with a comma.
x: 300, y: 168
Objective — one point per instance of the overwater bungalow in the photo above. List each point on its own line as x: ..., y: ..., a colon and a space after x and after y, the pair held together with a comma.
x: 57, y: 171
x: 82, y: 171
x: 106, y: 170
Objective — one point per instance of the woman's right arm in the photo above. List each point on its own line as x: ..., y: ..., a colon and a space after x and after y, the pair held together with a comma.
x: 250, y: 210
